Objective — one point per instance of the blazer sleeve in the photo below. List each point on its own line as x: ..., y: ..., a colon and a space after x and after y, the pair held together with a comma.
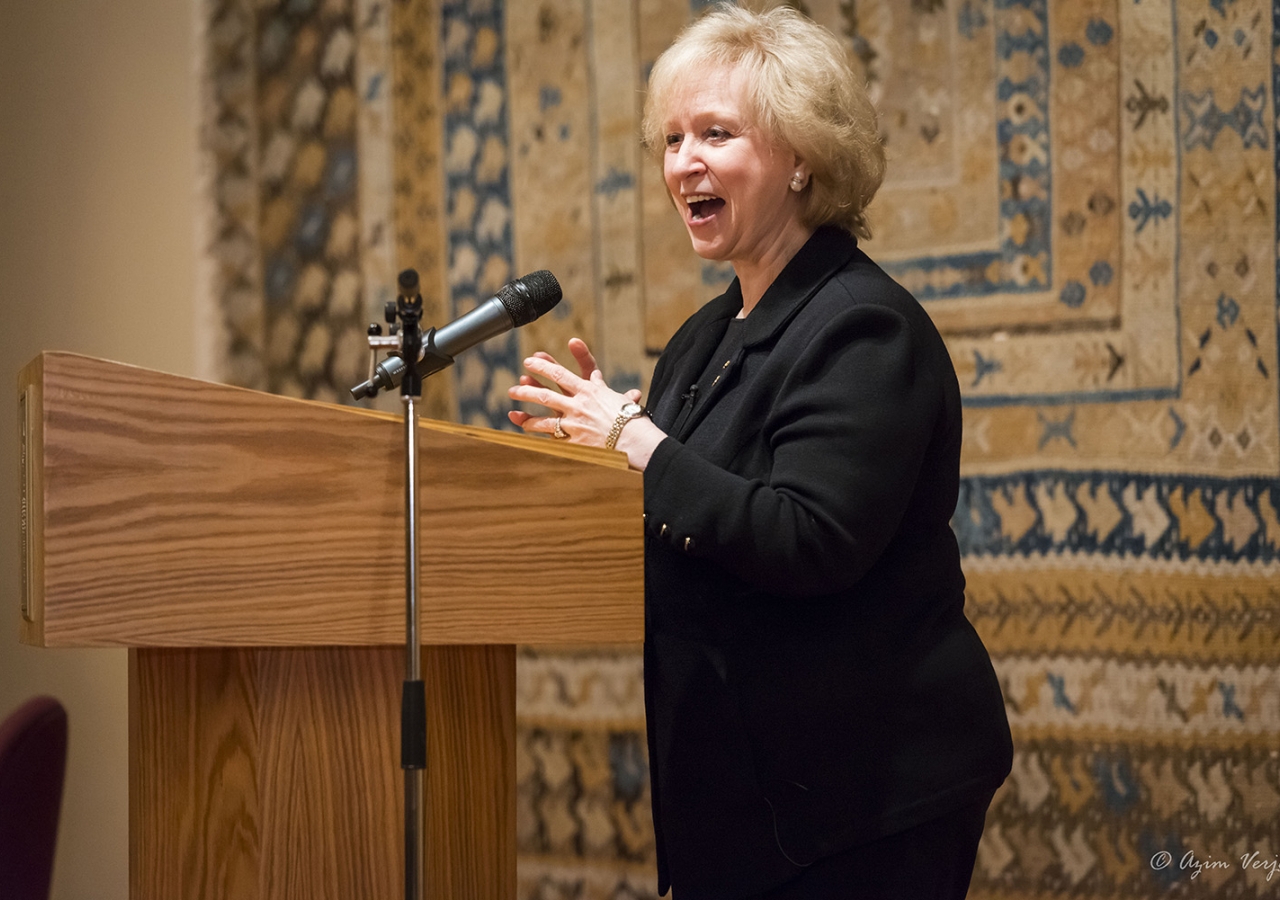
x: 845, y: 437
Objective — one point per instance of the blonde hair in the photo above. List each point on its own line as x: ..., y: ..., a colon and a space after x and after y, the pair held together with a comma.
x: 800, y: 89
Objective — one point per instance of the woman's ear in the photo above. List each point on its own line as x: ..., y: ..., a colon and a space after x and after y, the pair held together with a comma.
x: 800, y: 175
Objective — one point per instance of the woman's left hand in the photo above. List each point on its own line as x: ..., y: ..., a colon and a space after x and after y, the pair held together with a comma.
x: 584, y: 409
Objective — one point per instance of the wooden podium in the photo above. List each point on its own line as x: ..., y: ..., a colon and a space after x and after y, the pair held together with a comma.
x: 249, y: 550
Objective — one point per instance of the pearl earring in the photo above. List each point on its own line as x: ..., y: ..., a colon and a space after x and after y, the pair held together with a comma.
x: 797, y: 182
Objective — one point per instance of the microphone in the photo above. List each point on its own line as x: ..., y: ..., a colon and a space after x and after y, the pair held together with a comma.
x: 517, y: 303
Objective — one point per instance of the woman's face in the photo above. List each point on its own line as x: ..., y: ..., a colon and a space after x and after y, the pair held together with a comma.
x: 729, y: 180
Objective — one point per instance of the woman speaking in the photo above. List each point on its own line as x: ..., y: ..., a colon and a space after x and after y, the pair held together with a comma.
x: 823, y: 721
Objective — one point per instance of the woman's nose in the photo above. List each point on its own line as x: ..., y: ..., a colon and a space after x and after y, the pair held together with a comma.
x: 688, y: 159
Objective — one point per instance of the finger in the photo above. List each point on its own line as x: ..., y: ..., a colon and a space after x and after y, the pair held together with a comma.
x: 586, y: 360
x: 549, y: 425
x: 562, y: 377
x: 545, y: 357
x: 633, y: 395
x: 533, y: 424
x: 535, y: 393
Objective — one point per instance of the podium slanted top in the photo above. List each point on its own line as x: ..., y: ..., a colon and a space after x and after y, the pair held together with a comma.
x: 161, y: 511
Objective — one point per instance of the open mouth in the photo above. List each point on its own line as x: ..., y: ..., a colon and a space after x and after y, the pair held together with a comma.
x: 702, y: 206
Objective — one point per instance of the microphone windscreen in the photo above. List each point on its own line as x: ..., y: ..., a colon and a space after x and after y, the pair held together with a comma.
x: 531, y: 296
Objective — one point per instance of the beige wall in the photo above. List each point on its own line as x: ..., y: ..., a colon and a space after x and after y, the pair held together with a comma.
x: 97, y: 255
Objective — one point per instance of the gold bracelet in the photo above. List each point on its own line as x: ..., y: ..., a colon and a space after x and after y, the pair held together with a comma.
x: 629, y: 411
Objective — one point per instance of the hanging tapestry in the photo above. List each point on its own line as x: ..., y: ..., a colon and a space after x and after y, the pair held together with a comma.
x: 1082, y: 194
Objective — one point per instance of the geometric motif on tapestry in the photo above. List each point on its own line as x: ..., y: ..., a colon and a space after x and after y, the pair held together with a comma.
x: 1027, y: 196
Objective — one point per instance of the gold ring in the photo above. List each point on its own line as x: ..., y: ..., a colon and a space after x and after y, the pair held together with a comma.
x: 559, y: 433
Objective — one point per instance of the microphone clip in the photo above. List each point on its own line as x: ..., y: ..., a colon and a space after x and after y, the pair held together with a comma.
x: 409, y: 312
x: 404, y: 342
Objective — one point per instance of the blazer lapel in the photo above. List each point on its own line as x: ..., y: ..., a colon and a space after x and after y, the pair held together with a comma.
x: 826, y: 252
x: 673, y: 390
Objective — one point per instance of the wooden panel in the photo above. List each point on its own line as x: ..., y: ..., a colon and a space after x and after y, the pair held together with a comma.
x: 332, y: 803
x: 31, y: 511
x: 183, y: 513
x: 275, y: 773
x: 471, y: 771
x: 194, y: 805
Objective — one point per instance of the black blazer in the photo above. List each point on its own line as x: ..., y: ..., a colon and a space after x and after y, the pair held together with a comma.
x: 811, y: 681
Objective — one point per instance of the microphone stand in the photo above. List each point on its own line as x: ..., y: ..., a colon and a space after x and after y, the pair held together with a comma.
x: 413, y: 704
x: 413, y: 358
x: 413, y: 699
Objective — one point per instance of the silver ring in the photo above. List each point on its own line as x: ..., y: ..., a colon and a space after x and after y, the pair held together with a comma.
x: 559, y: 434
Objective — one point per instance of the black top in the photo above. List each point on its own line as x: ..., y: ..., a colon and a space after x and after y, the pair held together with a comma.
x: 718, y: 367
x: 811, y: 681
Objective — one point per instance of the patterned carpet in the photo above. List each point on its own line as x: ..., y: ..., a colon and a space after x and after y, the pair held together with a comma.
x: 1084, y: 196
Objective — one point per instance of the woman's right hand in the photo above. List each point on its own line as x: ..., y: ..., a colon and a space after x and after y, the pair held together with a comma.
x: 584, y: 408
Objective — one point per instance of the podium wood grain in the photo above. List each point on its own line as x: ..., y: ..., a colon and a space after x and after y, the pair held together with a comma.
x: 274, y: 773
x: 471, y: 771
x: 249, y: 550
x: 167, y: 511
x: 194, y: 797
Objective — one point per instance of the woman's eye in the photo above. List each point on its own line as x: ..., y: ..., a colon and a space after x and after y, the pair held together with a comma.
x: 673, y: 139
x: 716, y: 134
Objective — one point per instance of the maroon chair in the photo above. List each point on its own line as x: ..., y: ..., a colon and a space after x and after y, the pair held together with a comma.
x: 33, y: 756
